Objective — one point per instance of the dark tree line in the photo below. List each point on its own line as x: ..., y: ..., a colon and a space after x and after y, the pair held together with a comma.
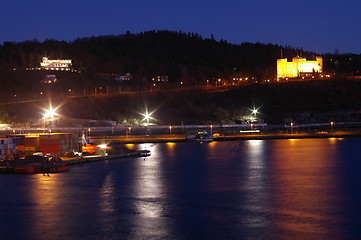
x: 185, y: 57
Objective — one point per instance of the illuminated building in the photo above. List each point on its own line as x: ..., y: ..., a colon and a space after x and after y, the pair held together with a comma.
x: 59, y: 65
x: 298, y: 67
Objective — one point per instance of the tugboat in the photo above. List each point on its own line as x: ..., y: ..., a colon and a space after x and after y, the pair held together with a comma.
x: 6, y: 166
x: 29, y: 164
x: 53, y: 165
x: 40, y: 164
x: 88, y: 146
x: 29, y: 168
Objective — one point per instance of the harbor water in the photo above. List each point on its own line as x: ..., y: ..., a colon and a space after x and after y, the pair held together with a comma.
x: 250, y: 189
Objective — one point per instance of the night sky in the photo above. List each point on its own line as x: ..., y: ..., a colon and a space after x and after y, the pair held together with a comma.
x: 323, y: 26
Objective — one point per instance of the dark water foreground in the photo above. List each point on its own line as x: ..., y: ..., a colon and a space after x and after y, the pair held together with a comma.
x: 254, y: 189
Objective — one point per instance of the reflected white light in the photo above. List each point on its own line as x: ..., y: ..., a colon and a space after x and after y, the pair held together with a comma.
x: 149, y: 189
x: 256, y: 181
x: 107, y: 196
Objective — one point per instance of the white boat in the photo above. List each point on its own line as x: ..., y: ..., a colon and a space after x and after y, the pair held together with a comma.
x: 200, y: 137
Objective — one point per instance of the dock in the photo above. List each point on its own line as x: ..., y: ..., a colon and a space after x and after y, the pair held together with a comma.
x: 97, y: 158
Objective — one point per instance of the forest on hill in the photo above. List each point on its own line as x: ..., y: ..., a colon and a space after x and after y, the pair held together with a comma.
x: 183, y: 57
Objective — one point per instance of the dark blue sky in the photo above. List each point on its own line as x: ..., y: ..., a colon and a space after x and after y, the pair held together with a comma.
x: 316, y: 25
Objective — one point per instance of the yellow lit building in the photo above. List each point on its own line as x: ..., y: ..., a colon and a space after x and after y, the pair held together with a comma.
x: 62, y: 65
x: 298, y: 67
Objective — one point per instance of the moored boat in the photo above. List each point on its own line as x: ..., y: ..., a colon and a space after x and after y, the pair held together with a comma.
x: 53, y: 169
x: 26, y: 169
x: 200, y: 137
x: 6, y: 166
x: 53, y: 165
x: 6, y: 169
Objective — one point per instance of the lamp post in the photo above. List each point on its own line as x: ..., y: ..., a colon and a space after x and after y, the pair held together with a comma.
x: 254, y: 112
x: 147, y: 116
x: 170, y: 130
x: 48, y: 115
x: 291, y: 127
x: 332, y: 123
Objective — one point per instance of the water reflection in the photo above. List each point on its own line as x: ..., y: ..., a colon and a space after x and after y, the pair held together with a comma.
x: 171, y: 150
x: 108, y: 194
x: 258, y: 189
x: 149, y: 191
x: 45, y: 196
x: 304, y: 178
x: 256, y: 198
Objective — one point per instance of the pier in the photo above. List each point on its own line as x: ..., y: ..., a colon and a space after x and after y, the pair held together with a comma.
x: 96, y: 158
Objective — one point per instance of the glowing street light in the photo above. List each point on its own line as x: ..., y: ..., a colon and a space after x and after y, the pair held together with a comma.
x: 332, y: 123
x: 48, y: 115
x: 147, y: 116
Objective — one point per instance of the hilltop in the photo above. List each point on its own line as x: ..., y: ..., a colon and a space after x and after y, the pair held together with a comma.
x: 193, y: 65
x: 183, y: 57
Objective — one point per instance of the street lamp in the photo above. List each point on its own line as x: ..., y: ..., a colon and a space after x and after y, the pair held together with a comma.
x: 170, y: 130
x: 291, y: 127
x: 332, y: 123
x: 147, y: 116
x: 48, y: 115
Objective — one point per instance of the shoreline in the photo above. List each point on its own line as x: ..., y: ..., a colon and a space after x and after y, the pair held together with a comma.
x: 229, y: 137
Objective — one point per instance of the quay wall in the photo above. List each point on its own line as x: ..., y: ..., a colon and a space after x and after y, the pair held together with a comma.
x: 89, y: 159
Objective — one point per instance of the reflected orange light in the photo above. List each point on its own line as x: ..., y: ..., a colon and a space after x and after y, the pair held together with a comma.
x: 130, y: 145
x: 301, y: 169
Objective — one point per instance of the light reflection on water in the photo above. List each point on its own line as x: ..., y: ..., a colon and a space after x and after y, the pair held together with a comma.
x: 304, y: 176
x: 149, y: 194
x: 256, y: 199
x: 254, y: 189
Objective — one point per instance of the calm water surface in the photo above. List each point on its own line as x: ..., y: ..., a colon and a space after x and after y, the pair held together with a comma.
x: 256, y: 189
